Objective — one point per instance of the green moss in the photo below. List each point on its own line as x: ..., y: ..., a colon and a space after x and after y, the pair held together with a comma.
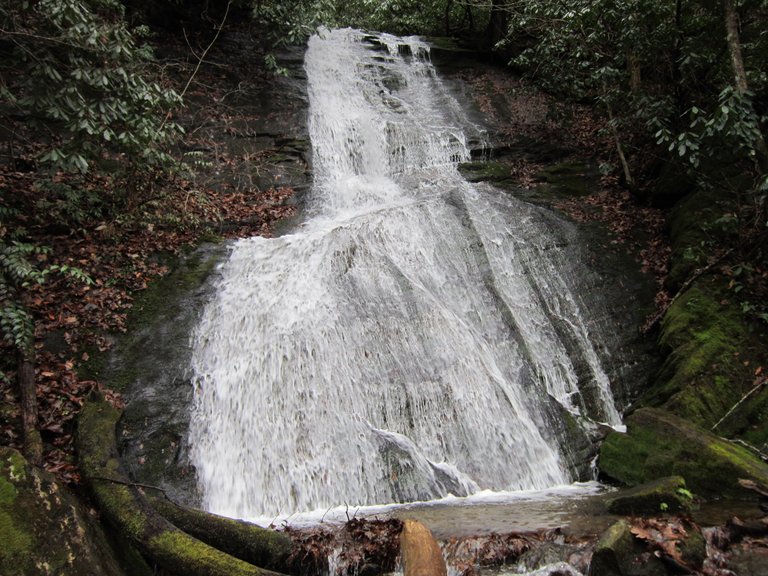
x: 16, y: 466
x: 99, y: 462
x: 662, y: 495
x: 16, y: 540
x: 660, y: 444
x: 704, y: 374
x: 248, y: 542
x: 7, y: 492
x: 498, y: 173
x: 120, y: 504
x: 693, y: 229
x: 14, y: 537
x: 205, y: 559
x: 712, y: 348
x: 569, y: 179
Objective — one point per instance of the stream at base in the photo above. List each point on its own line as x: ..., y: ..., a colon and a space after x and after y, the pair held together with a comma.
x: 417, y: 338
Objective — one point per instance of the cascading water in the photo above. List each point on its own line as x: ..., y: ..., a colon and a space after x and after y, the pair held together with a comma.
x: 409, y: 339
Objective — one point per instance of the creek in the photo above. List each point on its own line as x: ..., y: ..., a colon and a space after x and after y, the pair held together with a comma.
x: 416, y: 337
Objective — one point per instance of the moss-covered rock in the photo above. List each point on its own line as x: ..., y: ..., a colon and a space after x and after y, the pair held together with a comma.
x: 663, y: 495
x: 498, y: 173
x: 692, y: 228
x: 659, y: 444
x: 568, y: 179
x: 712, y: 348
x: 708, y: 373
x: 700, y: 377
x: 618, y: 553
x: 43, y: 528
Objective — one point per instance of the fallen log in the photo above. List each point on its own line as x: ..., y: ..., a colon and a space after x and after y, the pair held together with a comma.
x: 249, y: 542
x: 127, y: 510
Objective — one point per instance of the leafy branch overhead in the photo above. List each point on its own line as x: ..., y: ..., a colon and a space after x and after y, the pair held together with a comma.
x: 79, y: 72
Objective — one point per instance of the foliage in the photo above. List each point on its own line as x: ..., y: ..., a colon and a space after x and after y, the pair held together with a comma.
x: 75, y: 69
x: 291, y: 22
x: 19, y: 271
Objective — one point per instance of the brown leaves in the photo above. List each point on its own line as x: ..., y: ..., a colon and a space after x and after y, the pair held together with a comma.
x: 358, y: 545
x: 661, y: 534
x: 119, y: 257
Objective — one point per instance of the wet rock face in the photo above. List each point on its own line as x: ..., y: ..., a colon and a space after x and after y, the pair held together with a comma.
x: 151, y: 365
x: 43, y: 528
x: 154, y: 365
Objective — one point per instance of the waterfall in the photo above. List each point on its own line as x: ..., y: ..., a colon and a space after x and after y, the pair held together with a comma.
x: 406, y: 341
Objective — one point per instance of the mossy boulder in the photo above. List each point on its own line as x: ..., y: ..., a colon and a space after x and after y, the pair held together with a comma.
x: 712, y: 348
x: 703, y: 375
x: 693, y: 227
x: 658, y: 444
x: 663, y: 495
x: 43, y: 528
x: 619, y: 553
x: 567, y: 179
x: 712, y: 354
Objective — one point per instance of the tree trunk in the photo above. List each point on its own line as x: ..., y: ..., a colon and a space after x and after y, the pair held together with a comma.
x: 497, y: 25
x: 254, y: 544
x: 628, y: 180
x: 739, y: 72
x: 33, y: 444
x: 734, y: 46
x: 635, y: 76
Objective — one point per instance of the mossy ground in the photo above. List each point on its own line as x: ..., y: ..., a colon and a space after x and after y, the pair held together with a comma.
x: 714, y: 351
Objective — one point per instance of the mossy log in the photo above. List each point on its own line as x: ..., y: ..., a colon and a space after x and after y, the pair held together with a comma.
x: 127, y: 510
x: 243, y: 540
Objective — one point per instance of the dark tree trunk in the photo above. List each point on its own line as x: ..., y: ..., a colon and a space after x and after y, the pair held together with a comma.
x: 734, y: 46
x: 739, y: 72
x: 33, y: 444
x: 497, y: 25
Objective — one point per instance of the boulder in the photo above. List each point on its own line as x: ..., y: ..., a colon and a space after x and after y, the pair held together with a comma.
x: 659, y: 444
x: 667, y: 494
x: 619, y: 553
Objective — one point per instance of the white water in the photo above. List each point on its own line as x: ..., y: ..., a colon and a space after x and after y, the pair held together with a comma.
x: 406, y: 342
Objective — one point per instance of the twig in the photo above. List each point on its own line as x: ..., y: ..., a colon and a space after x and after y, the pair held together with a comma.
x: 205, y: 52
x: 757, y: 386
x: 687, y: 284
x: 199, y: 63
x: 133, y: 484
